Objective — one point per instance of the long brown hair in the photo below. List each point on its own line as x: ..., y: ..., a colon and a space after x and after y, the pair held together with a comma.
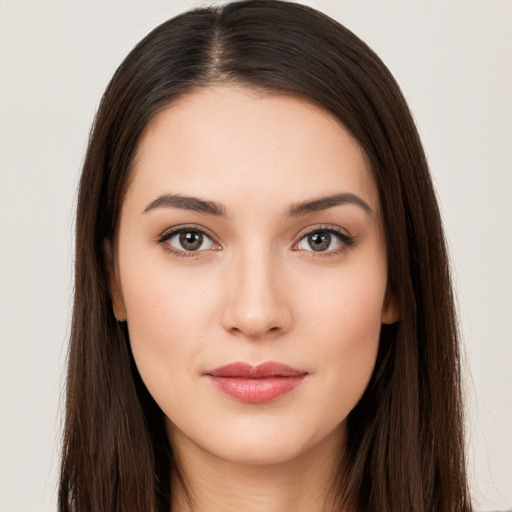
x: 405, y: 437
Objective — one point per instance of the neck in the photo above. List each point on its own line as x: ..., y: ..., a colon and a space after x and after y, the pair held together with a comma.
x: 304, y: 484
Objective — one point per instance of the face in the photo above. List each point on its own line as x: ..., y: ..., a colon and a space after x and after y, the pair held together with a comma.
x: 250, y: 266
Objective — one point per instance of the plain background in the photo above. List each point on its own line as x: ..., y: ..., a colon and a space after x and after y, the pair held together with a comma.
x: 453, y: 60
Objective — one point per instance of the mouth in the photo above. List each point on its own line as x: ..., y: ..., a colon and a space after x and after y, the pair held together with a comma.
x: 256, y: 384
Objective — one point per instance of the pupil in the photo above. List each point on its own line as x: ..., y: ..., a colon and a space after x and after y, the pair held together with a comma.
x: 319, y: 241
x: 191, y: 240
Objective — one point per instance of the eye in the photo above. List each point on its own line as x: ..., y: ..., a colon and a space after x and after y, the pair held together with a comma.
x: 324, y: 240
x: 185, y: 240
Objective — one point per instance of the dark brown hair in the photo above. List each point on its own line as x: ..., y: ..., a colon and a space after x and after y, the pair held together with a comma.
x: 405, y: 436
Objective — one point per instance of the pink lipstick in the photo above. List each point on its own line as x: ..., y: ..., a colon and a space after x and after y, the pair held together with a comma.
x: 256, y: 384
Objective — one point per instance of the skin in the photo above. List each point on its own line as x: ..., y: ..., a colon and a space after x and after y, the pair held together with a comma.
x: 256, y: 292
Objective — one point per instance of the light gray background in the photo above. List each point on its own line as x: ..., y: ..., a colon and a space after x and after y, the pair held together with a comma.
x: 454, y: 62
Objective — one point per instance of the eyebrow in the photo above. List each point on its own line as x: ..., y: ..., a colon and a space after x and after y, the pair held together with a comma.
x: 323, y: 203
x: 218, y: 210
x: 187, y: 203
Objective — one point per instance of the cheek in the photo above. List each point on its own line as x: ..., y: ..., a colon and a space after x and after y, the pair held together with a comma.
x: 168, y: 315
x: 343, y: 324
x: 345, y: 307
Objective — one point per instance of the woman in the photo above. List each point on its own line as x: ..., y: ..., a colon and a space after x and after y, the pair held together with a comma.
x: 263, y: 315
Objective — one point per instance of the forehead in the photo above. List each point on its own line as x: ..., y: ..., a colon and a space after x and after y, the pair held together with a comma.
x: 227, y: 142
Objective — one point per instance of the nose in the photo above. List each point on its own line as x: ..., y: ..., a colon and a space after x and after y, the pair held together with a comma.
x: 258, y: 302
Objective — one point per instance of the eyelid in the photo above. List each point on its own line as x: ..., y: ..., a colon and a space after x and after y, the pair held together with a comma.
x: 168, y: 233
x: 347, y: 240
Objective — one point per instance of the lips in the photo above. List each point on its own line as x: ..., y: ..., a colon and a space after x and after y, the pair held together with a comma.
x: 256, y: 384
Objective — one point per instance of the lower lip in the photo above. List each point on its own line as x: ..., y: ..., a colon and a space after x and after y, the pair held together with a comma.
x: 256, y: 391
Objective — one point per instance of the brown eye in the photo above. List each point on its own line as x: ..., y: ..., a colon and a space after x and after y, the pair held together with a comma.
x: 319, y: 241
x: 191, y: 240
x: 187, y: 240
x: 328, y: 240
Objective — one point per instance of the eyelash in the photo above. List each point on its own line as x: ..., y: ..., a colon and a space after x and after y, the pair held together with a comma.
x: 345, y: 240
x: 169, y: 234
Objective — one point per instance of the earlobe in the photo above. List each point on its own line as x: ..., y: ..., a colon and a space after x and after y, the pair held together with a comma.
x: 118, y: 308
x: 390, y: 310
x: 114, y: 286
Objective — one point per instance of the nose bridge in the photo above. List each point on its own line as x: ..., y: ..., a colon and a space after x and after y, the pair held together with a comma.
x: 258, y: 304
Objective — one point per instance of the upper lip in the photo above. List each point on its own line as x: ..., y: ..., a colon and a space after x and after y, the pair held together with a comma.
x: 255, y: 371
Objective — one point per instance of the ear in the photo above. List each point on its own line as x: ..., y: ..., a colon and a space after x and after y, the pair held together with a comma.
x: 113, y: 282
x: 390, y: 310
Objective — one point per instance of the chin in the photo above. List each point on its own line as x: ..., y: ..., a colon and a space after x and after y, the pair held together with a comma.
x: 261, y: 441
x: 260, y: 453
